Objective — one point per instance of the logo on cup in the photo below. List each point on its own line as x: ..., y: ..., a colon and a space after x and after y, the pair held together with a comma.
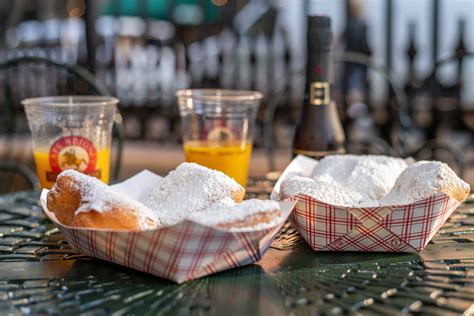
x: 72, y: 152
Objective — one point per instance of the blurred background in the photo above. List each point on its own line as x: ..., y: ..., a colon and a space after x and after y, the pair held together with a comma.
x: 404, y: 75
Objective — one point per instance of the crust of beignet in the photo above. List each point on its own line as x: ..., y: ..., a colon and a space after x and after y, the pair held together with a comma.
x: 116, y: 219
x: 261, y: 217
x: 64, y: 199
x: 238, y: 195
x: 459, y: 193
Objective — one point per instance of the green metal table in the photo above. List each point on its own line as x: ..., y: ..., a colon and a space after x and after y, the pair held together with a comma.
x: 41, y: 274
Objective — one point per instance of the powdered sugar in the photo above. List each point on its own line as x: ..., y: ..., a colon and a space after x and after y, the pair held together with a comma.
x: 422, y: 180
x: 224, y: 203
x: 371, y: 176
x: 190, y: 188
x: 323, y: 190
x: 97, y: 196
x: 349, y: 180
x: 368, y: 181
x: 216, y: 215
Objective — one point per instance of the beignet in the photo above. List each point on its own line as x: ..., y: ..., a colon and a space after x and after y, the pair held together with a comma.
x: 191, y: 188
x: 83, y: 201
x: 424, y: 179
x: 348, y: 180
x: 247, y: 215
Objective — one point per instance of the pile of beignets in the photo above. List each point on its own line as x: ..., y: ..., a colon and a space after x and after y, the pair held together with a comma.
x: 374, y: 181
x: 190, y: 191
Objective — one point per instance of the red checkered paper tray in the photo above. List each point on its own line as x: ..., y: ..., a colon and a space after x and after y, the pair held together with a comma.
x: 182, y: 252
x: 325, y: 227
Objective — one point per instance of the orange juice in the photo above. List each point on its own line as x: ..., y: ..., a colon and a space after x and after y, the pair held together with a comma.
x: 232, y: 159
x: 50, y: 164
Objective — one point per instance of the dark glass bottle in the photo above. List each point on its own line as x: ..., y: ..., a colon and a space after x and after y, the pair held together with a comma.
x: 319, y: 131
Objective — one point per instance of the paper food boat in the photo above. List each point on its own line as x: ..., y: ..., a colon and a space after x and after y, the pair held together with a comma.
x: 182, y: 252
x: 403, y: 228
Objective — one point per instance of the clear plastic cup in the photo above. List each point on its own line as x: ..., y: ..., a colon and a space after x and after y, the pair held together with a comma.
x: 217, y: 128
x: 71, y: 132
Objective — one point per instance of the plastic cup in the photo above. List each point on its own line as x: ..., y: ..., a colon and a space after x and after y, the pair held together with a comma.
x: 217, y: 127
x: 71, y: 132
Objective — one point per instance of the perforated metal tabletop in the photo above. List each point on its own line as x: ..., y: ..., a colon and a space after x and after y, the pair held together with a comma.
x: 41, y: 274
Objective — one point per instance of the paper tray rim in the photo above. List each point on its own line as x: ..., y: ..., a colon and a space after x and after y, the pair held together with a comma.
x: 393, y: 206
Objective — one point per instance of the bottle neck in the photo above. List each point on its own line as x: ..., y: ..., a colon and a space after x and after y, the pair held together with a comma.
x: 319, y: 76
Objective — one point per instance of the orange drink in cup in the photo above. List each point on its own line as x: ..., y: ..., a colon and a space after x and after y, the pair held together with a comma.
x: 71, y: 132
x: 217, y: 127
x: 232, y: 159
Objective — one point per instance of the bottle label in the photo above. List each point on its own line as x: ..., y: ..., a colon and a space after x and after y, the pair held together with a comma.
x: 319, y: 93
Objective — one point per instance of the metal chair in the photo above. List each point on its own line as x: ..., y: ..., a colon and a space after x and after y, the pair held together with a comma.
x: 431, y: 148
x: 29, y: 76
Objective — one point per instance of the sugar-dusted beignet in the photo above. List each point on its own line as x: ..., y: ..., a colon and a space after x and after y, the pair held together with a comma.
x: 191, y: 188
x: 424, y: 179
x: 326, y: 191
x: 83, y: 201
x: 248, y: 215
x: 348, y: 180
